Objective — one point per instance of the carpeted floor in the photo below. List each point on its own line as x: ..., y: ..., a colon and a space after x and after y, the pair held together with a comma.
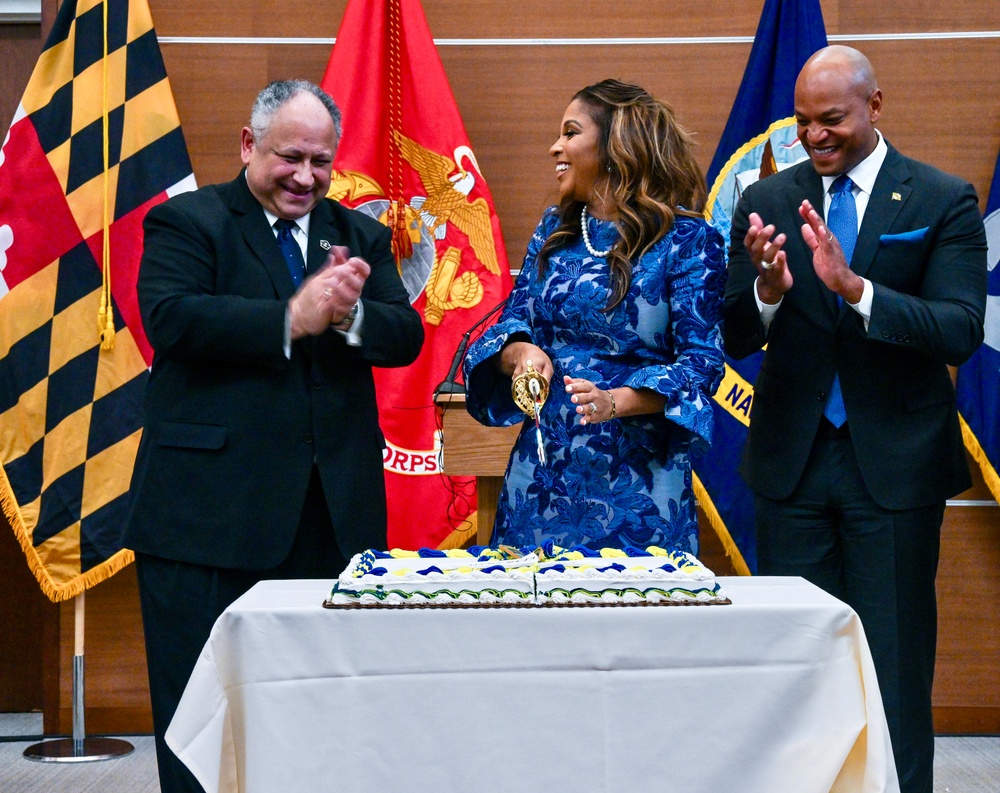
x: 961, y: 764
x: 967, y: 764
x: 133, y: 773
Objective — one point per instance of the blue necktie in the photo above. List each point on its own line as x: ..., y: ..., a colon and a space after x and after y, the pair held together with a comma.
x: 843, y: 222
x: 290, y: 249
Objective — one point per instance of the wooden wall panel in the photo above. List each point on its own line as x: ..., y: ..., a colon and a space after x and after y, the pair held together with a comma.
x: 27, y: 618
x: 247, y: 18
x: 24, y: 610
x: 966, y: 695
x: 916, y: 16
x: 463, y: 19
x: 214, y: 87
x: 968, y: 585
x: 19, y: 48
x: 941, y: 103
x: 941, y: 106
x: 497, y: 19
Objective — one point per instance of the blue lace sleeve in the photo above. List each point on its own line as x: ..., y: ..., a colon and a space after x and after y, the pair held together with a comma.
x: 696, y: 273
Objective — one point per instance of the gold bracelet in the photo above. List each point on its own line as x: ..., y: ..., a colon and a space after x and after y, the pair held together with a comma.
x: 614, y: 408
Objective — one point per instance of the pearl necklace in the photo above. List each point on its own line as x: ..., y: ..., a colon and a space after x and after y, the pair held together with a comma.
x: 586, y: 236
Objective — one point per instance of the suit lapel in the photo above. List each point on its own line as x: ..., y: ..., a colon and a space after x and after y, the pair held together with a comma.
x: 811, y: 187
x: 889, y: 195
x: 260, y: 237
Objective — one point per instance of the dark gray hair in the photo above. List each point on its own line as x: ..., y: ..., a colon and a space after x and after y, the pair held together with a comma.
x: 275, y: 95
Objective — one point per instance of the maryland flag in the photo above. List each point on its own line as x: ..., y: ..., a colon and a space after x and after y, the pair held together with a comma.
x: 94, y: 143
x: 405, y: 158
x: 759, y: 140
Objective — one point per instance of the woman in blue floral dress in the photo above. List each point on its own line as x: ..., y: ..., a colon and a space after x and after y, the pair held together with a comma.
x: 617, y: 305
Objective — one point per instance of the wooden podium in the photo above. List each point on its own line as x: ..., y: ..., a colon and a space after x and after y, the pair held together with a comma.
x: 470, y: 449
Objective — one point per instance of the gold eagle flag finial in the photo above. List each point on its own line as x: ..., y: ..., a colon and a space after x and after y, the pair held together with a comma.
x: 448, y: 186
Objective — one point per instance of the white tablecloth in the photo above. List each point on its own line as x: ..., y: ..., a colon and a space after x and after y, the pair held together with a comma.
x: 775, y: 693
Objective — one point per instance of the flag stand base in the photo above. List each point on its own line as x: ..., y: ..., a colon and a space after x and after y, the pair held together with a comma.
x: 67, y: 750
x: 79, y: 748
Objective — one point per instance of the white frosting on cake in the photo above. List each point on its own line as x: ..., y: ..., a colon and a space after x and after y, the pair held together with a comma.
x: 614, y: 577
x: 409, y: 579
x: 510, y: 576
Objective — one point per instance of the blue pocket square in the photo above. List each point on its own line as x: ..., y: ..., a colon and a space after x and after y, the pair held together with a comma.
x: 904, y: 238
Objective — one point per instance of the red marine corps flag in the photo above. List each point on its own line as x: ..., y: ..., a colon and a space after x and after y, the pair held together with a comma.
x: 405, y: 158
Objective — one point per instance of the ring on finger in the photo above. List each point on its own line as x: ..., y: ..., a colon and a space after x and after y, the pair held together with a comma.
x: 766, y: 265
x: 593, y: 408
x: 328, y: 293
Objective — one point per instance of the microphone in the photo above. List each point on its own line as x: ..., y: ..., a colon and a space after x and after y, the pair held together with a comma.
x: 450, y: 385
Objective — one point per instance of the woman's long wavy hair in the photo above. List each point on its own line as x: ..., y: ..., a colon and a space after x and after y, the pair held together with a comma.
x: 649, y: 176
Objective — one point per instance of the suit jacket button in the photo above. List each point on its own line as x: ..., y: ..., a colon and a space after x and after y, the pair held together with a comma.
x: 308, y: 439
x: 821, y: 396
x: 317, y: 383
x: 906, y: 338
x: 885, y: 334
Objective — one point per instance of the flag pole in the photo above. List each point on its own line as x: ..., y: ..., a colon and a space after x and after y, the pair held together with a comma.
x: 79, y: 748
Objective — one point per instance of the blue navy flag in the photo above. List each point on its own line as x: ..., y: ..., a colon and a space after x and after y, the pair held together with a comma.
x: 759, y: 140
x: 979, y: 377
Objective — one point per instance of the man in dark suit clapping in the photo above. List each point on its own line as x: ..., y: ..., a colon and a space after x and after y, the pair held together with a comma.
x: 864, y: 273
x: 267, y: 305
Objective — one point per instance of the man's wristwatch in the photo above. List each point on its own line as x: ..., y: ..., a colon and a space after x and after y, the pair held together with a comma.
x: 348, y: 320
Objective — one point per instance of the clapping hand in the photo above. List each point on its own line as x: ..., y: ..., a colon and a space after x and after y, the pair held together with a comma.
x: 770, y: 259
x: 326, y: 297
x: 828, y: 259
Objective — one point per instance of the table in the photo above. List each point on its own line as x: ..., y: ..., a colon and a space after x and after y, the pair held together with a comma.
x: 775, y: 692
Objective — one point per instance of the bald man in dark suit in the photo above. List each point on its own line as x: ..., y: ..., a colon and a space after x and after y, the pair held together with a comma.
x: 854, y: 442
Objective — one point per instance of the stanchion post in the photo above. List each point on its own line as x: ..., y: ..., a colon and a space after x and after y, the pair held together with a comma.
x: 79, y: 748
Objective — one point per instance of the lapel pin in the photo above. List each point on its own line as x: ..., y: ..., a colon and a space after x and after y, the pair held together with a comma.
x: 897, y: 197
x: 325, y: 245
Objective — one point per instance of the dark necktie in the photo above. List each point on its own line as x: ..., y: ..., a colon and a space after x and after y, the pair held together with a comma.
x: 290, y: 249
x: 843, y: 222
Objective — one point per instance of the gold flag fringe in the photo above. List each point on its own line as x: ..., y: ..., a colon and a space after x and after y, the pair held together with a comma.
x: 53, y: 591
x: 715, y: 520
x: 462, y: 536
x: 402, y: 246
x: 979, y: 455
x: 750, y: 145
